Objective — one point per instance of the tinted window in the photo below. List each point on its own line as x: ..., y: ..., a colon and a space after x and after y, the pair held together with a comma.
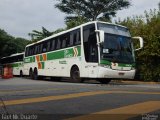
x: 26, y: 51
x: 53, y: 44
x: 75, y: 38
x: 58, y: 43
x: 71, y: 40
x: 48, y: 46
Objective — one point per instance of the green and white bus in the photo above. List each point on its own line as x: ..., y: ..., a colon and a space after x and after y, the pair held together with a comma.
x: 15, y: 61
x: 95, y: 50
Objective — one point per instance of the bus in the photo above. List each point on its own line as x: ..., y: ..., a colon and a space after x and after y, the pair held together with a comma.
x: 15, y: 61
x: 94, y: 50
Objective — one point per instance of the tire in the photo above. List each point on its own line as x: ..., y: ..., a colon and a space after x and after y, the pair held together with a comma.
x: 21, y: 73
x: 35, y: 74
x: 75, y: 75
x: 104, y: 81
x: 30, y: 74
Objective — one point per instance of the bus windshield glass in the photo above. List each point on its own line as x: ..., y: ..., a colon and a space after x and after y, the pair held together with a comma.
x: 117, y: 49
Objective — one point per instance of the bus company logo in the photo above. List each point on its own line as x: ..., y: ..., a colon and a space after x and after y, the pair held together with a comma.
x: 27, y: 60
x: 75, y: 52
x: 67, y: 54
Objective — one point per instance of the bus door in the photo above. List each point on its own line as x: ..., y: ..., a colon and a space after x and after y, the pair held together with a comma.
x: 90, y: 49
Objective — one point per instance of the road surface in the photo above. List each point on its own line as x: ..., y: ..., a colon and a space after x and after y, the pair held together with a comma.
x: 23, y: 98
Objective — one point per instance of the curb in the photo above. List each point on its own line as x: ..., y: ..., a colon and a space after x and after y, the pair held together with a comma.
x: 139, y: 82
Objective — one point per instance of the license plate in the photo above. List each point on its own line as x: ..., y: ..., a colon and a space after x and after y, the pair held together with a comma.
x: 121, y: 74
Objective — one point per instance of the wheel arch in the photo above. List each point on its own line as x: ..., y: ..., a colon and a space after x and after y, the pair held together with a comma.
x: 73, y: 66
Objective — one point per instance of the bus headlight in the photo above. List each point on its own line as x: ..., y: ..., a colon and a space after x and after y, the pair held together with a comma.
x: 132, y: 68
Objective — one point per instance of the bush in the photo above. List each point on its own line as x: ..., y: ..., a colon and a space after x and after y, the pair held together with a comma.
x: 146, y: 26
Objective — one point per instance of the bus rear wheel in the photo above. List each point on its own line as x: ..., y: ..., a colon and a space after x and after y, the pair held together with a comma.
x: 35, y: 74
x: 21, y: 73
x: 75, y: 75
x: 104, y: 81
x: 30, y: 74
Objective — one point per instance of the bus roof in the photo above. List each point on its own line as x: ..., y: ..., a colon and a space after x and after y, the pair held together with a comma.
x: 16, y: 54
x: 63, y: 32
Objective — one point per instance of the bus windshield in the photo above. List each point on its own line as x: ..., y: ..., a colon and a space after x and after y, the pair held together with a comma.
x: 117, y: 48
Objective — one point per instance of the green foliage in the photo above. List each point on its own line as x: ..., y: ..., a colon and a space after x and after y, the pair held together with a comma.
x: 75, y: 22
x: 58, y: 30
x: 10, y: 45
x: 148, y: 27
x: 39, y: 35
x: 80, y: 11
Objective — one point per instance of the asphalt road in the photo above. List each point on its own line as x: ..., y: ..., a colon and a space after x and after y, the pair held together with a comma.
x: 23, y: 99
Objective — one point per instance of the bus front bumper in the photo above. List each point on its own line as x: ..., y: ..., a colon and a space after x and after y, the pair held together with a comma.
x: 115, y: 74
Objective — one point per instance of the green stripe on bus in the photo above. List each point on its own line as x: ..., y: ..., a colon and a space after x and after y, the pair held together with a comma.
x: 33, y: 59
x: 16, y: 64
x: 55, y: 55
x: 43, y: 65
x: 105, y: 62
x: 41, y: 57
x: 119, y: 64
x: 67, y: 53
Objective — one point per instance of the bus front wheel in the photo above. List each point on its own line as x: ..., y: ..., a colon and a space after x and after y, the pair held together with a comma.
x: 75, y: 75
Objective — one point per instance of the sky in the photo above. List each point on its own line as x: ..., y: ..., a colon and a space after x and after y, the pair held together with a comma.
x: 20, y: 17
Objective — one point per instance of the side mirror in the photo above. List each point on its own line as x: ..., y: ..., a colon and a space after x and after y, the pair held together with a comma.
x: 101, y: 35
x: 140, y: 42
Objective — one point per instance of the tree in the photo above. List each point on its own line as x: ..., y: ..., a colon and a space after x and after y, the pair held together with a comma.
x: 80, y: 11
x: 58, y: 30
x: 147, y: 26
x: 10, y: 45
x: 38, y: 35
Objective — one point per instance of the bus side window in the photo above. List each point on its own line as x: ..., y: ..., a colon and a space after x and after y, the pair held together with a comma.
x: 77, y: 38
x: 44, y: 47
x: 58, y: 44
x: 53, y: 45
x: 70, y: 43
x: 41, y: 48
x: 38, y: 49
x: 30, y: 51
x: 27, y: 51
x: 13, y: 59
x: 48, y: 46
x: 65, y: 40
x: 35, y: 51
x: 33, y: 47
x: 20, y: 57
